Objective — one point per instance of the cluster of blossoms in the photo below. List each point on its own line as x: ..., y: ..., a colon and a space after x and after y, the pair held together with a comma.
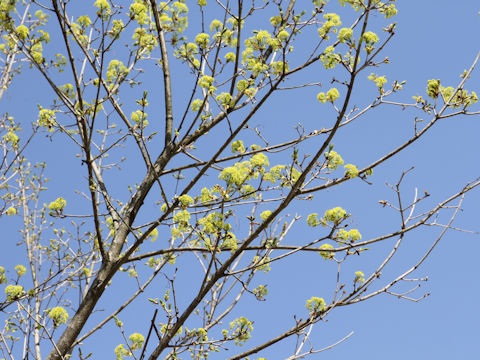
x: 348, y: 236
x: 238, y: 147
x: 351, y: 171
x: 241, y: 329
x: 345, y: 35
x: 116, y: 71
x: 187, y: 52
x: 359, y: 277
x: 139, y: 117
x: 103, y: 8
x: 332, y: 21
x: 335, y: 216
x: 214, y: 224
x: 59, y: 316
x: 46, y: 118
x: 330, y: 96
x: 329, y: 58
x: 370, y: 39
x: 238, y: 174
x: 136, y: 343
x: 461, y: 97
x: 260, y: 292
x: 21, y: 270
x: 13, y: 292
x: 252, y: 56
x: 3, y: 277
x: 57, y: 206
x: 378, y: 80
x: 11, y: 211
x: 12, y: 139
x: 78, y: 29
x: 334, y: 160
x: 315, y: 304
x: 327, y: 255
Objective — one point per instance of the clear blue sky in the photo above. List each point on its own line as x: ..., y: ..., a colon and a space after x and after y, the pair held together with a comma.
x: 435, y: 39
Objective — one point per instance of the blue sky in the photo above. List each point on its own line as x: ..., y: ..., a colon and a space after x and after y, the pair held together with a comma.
x: 434, y: 39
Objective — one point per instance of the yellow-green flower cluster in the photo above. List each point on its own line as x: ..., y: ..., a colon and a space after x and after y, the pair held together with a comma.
x: 387, y: 10
x: 205, y: 81
x: 11, y: 211
x: 139, y: 12
x: 103, y: 8
x: 144, y: 40
x: 351, y: 171
x: 283, y: 35
x: 241, y: 329
x: 46, y: 118
x: 242, y: 85
x: 238, y: 147
x: 59, y: 316
x: 332, y: 20
x: 11, y: 138
x: 136, y: 340
x: 225, y: 100
x: 116, y: 71
x: 259, y: 161
x: 327, y: 255
x: 329, y: 58
x: 335, y: 215
x: 260, y: 292
x: 185, y: 201
x: 345, y: 34
x: 121, y: 352
x: 279, y: 67
x: 3, y: 277
x: 244, y: 171
x: 330, y: 96
x: 213, y: 223
x: 370, y: 39
x: 173, y: 18
x: 378, y: 80
x: 260, y: 41
x: 312, y: 220
x: 79, y: 32
x: 139, y: 117
x: 275, y: 173
x: 433, y: 88
x: 57, y: 206
x: 230, y: 57
x: 84, y: 21
x: 351, y: 235
x: 334, y: 160
x: 315, y: 304
x: 196, y: 105
x: 21, y: 270
x: 36, y: 52
x: 116, y: 29
x: 202, y: 40
x: 461, y: 97
x: 276, y: 20
x: 68, y: 91
x: 262, y: 263
x: 359, y: 277
x: 182, y: 218
x: 265, y: 214
x: 153, y: 235
x: 254, y: 47
x: 216, y: 25
x: 13, y: 292
x: 22, y: 32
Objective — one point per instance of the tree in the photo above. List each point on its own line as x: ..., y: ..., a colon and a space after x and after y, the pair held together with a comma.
x: 195, y: 184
